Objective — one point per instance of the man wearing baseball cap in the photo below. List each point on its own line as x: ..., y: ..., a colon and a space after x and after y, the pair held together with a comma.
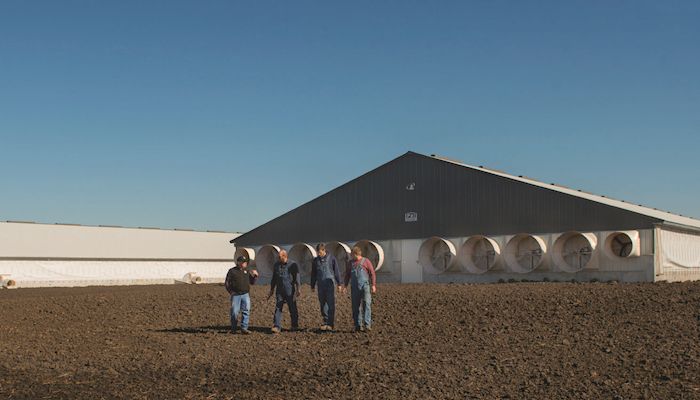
x: 238, y: 281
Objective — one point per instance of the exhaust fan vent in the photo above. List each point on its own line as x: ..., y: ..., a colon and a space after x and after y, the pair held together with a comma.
x: 304, y: 256
x: 623, y: 244
x: 436, y: 255
x: 479, y: 254
x: 246, y: 252
x: 573, y: 251
x: 373, y: 251
x: 341, y: 252
x: 524, y: 253
x: 266, y: 259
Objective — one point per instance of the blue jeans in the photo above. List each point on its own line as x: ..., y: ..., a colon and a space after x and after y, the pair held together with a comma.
x: 326, y: 298
x: 240, y: 304
x: 361, y: 304
x: 280, y: 300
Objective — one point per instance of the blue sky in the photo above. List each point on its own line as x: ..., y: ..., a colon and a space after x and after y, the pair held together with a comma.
x: 223, y: 115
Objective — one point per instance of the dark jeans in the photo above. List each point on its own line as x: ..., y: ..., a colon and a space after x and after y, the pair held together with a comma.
x: 291, y: 302
x: 326, y: 299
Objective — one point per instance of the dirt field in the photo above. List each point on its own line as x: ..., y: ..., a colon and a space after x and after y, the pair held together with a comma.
x: 523, y: 340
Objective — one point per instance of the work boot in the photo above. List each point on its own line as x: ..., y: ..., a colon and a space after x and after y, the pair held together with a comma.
x: 368, y: 328
x: 275, y: 330
x: 329, y: 328
x: 245, y: 331
x: 324, y: 327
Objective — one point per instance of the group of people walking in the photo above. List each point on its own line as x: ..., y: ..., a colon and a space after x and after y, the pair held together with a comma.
x: 285, y: 285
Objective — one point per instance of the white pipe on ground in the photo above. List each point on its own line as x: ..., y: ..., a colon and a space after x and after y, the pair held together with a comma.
x: 192, y: 278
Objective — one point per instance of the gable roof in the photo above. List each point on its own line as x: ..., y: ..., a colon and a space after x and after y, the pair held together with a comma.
x: 637, y: 208
x: 449, y: 199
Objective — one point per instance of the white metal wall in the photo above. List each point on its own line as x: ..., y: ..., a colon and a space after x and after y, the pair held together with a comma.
x: 602, y: 267
x: 678, y: 255
x: 27, y: 240
x: 402, y: 263
x: 57, y: 273
x: 36, y: 255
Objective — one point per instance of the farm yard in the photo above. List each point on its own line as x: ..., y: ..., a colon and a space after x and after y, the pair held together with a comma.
x: 512, y: 340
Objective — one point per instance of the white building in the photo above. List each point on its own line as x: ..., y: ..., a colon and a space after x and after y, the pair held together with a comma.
x: 38, y: 255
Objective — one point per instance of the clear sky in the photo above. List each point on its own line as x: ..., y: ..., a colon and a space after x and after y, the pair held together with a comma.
x: 222, y: 115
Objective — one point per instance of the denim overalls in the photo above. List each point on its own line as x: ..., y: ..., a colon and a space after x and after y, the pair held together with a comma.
x: 361, y: 294
x: 326, y: 289
x: 285, y: 294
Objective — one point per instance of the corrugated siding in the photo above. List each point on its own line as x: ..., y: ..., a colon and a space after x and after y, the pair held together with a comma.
x: 41, y: 241
x: 450, y: 200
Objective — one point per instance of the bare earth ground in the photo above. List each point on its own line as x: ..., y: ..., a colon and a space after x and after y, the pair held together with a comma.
x: 523, y: 340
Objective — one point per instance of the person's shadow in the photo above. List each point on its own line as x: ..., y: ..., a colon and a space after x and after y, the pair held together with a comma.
x: 211, y: 329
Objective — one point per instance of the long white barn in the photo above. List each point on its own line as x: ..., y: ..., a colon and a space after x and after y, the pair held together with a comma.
x: 42, y: 255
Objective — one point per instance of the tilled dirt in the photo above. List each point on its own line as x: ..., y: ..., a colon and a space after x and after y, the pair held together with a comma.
x: 523, y: 340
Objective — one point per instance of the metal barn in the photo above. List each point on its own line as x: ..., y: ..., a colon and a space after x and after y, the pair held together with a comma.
x: 430, y: 219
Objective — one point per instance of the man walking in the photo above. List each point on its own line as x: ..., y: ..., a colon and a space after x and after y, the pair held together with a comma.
x: 237, y: 283
x: 326, y: 273
x: 360, y: 274
x: 286, y: 285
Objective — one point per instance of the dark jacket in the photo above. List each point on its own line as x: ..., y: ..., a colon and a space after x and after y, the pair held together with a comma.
x: 317, y: 272
x: 285, y: 278
x: 238, y: 281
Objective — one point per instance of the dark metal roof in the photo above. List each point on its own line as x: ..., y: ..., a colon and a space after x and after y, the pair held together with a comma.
x: 446, y: 199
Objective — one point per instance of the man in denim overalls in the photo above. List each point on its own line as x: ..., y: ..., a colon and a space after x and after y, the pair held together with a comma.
x: 326, y: 273
x: 285, y: 279
x: 360, y: 274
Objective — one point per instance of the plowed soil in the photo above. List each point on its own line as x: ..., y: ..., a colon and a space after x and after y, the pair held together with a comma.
x: 522, y: 340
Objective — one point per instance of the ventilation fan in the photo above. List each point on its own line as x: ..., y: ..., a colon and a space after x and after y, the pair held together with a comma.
x: 373, y: 252
x: 577, y: 252
x: 245, y: 252
x: 483, y: 255
x: 529, y: 253
x: 436, y: 255
x: 621, y: 245
x: 441, y: 256
x: 573, y: 251
x: 304, y: 255
x: 340, y: 251
x: 266, y: 259
x: 479, y: 254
